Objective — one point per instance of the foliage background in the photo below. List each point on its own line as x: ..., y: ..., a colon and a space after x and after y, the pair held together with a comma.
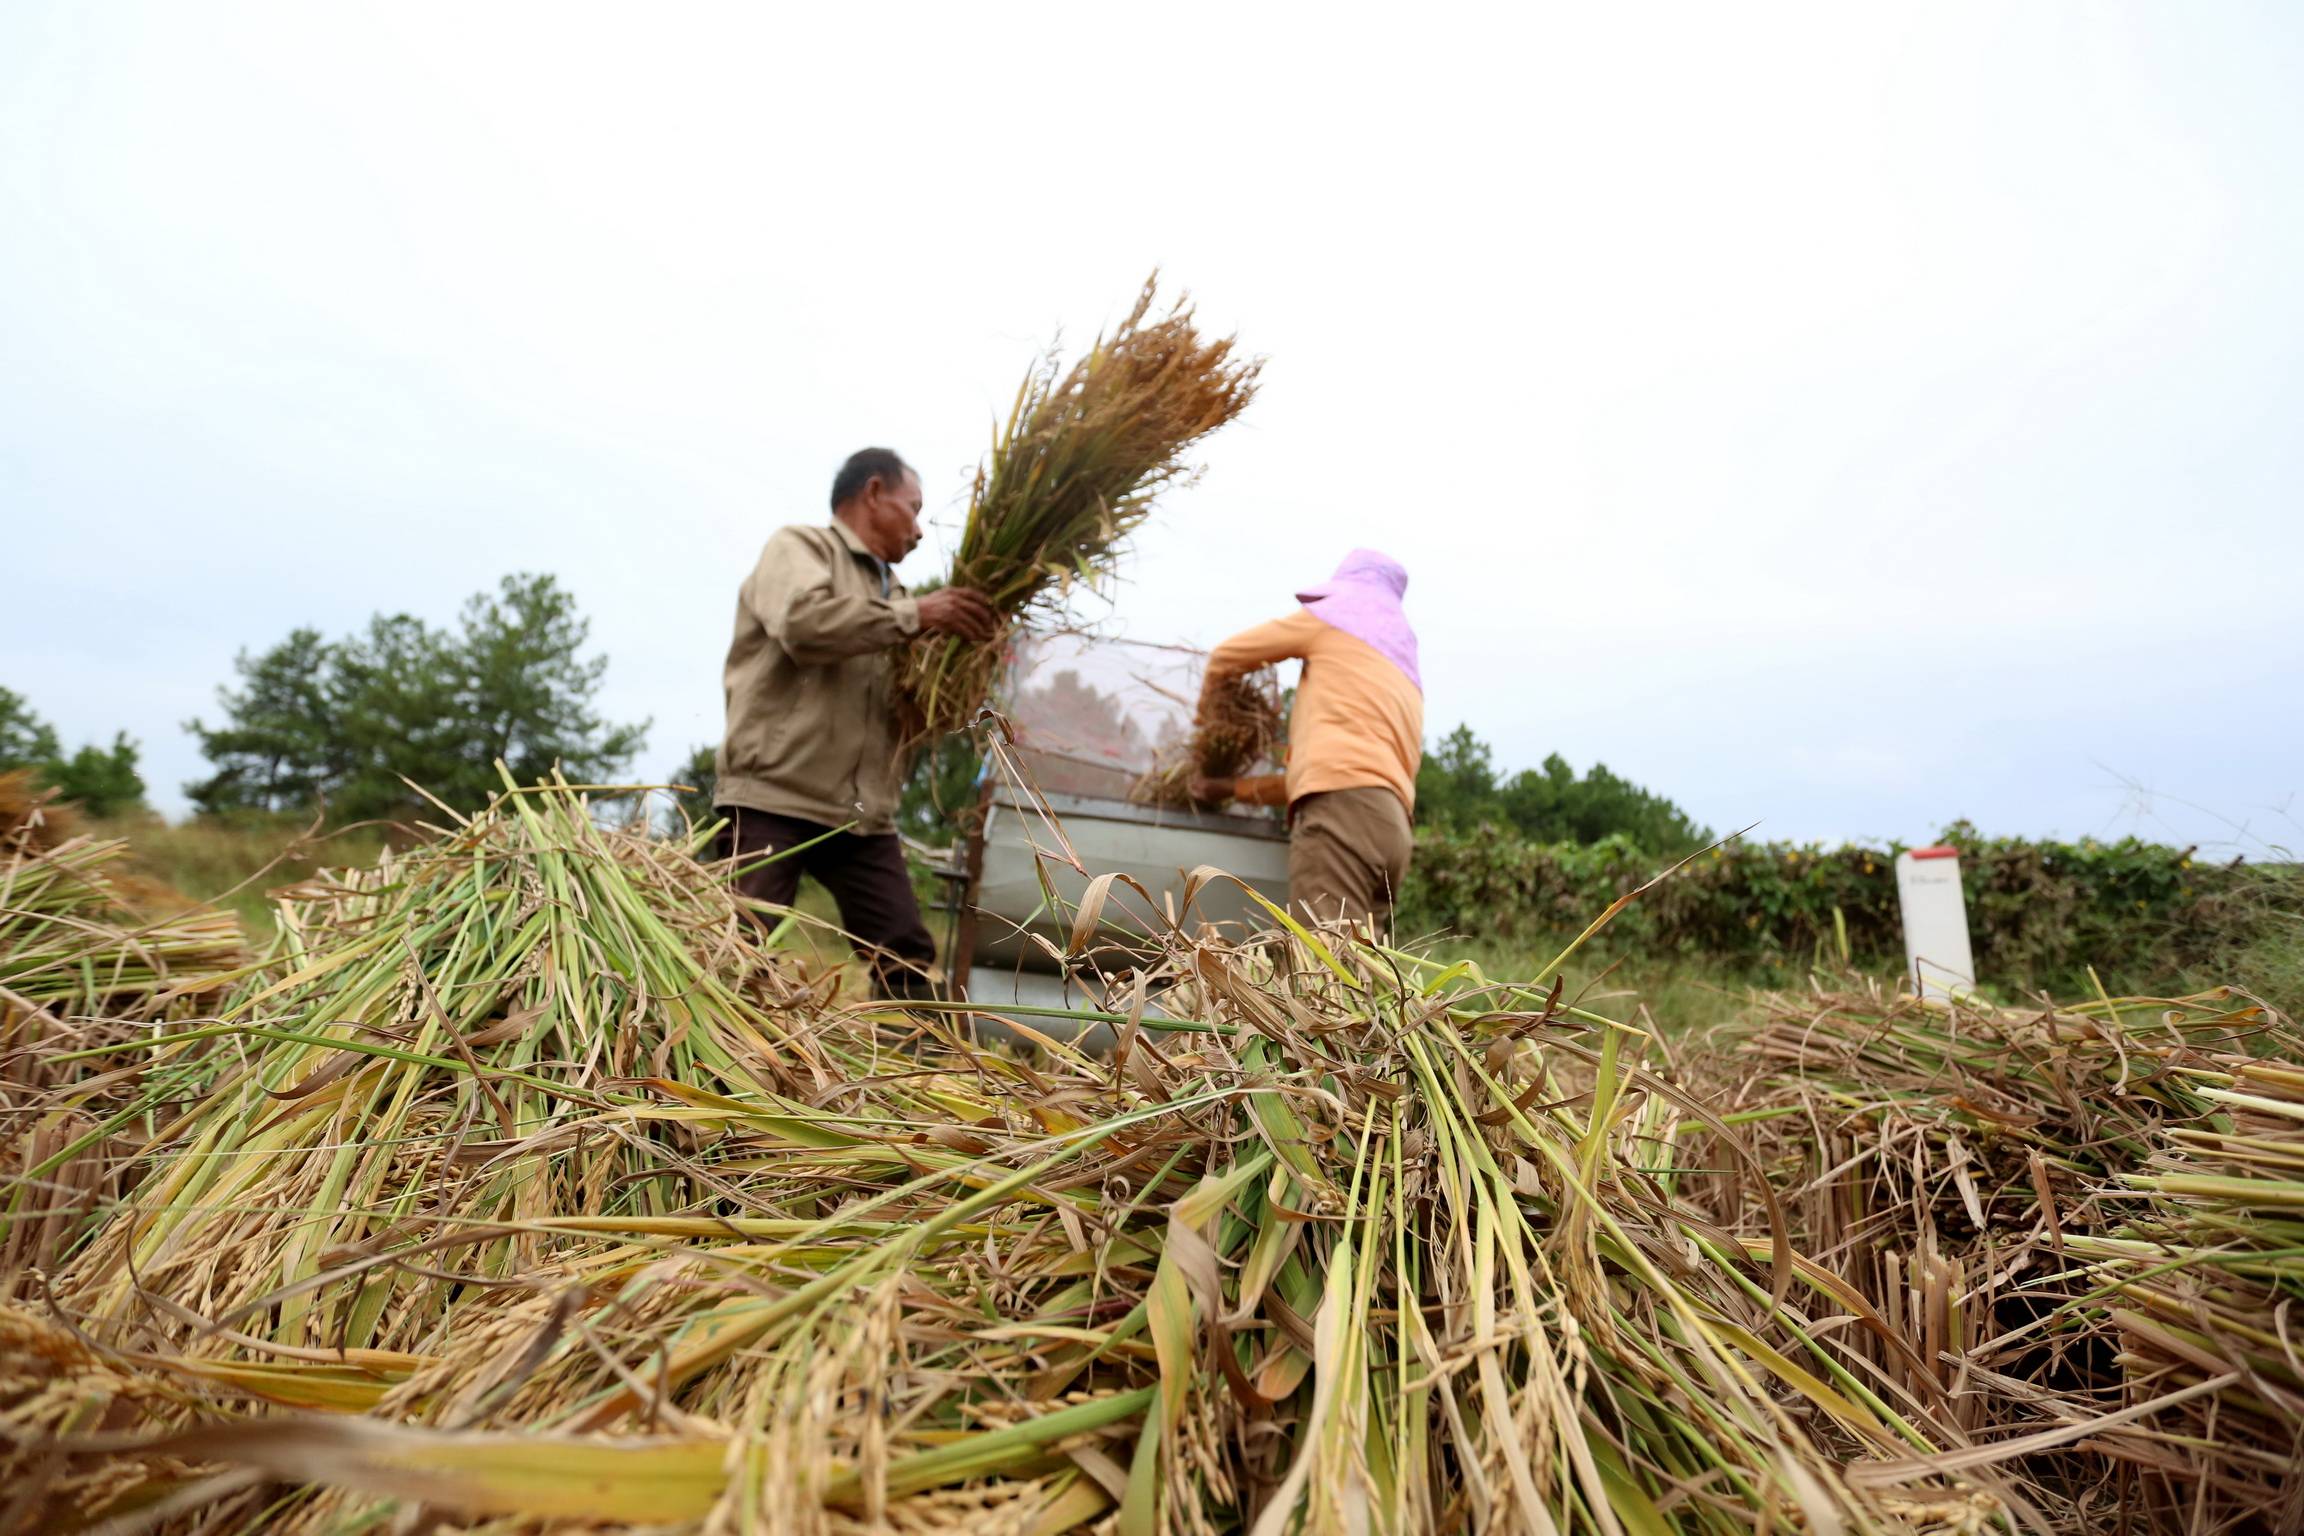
x: 352, y: 723
x: 1507, y: 862
x: 2146, y: 917
x: 102, y: 780
x: 1458, y: 786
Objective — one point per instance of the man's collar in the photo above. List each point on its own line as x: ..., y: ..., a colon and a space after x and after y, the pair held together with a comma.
x: 848, y: 537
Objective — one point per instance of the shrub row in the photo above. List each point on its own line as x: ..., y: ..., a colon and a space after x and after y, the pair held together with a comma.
x: 2146, y: 916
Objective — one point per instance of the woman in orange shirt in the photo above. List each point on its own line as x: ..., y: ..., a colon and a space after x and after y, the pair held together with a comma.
x: 1355, y: 738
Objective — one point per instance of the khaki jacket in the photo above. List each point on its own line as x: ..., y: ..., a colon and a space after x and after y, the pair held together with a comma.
x: 810, y: 683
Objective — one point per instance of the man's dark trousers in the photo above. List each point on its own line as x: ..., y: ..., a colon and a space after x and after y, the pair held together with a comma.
x: 866, y: 876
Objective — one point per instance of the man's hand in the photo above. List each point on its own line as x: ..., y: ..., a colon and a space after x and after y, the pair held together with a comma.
x: 1209, y: 791
x: 960, y: 612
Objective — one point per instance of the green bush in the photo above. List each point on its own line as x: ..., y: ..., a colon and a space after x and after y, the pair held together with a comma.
x: 102, y: 781
x: 2148, y: 918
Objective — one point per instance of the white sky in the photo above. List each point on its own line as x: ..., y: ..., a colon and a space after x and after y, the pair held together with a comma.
x: 1844, y: 418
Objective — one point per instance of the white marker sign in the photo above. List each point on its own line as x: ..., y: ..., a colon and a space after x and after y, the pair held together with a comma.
x: 1936, y: 954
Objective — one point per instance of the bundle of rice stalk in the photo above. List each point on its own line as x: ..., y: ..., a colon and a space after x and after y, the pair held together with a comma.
x: 2198, y: 1297
x: 85, y: 972
x: 389, y: 1209
x: 539, y: 1080
x: 1505, y: 1319
x: 1338, y: 1251
x: 439, y: 1037
x: 32, y: 817
x: 78, y: 938
x: 1235, y: 727
x: 1934, y: 1161
x: 1085, y: 452
x: 1894, y: 1114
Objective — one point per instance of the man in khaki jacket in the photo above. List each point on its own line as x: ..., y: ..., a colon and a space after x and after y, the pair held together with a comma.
x: 811, y: 754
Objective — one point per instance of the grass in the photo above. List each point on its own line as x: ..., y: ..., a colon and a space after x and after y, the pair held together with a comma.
x: 247, y: 863
x: 1695, y: 992
x: 246, y: 866
x: 236, y: 865
x: 1682, y: 993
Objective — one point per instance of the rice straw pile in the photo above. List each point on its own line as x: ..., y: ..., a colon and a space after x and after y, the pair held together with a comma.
x: 32, y: 819
x: 1085, y: 452
x: 524, y: 1186
x: 2196, y: 1299
x: 79, y: 937
x: 86, y: 969
x: 1236, y: 726
x: 531, y: 1184
x: 1971, y: 1177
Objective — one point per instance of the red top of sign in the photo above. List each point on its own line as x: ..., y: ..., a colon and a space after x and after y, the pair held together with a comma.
x: 1940, y: 851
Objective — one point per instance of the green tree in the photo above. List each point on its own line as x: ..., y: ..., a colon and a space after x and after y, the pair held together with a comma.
x: 524, y: 693
x: 1552, y: 805
x: 939, y: 787
x: 283, y: 745
x: 701, y: 773
x: 397, y: 706
x: 1456, y: 784
x: 352, y: 723
x: 102, y: 780
x: 26, y: 740
x: 1458, y: 787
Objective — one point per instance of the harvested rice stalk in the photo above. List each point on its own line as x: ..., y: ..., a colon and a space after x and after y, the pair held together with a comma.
x: 1083, y: 456
x: 85, y: 974
x: 2198, y: 1298
x: 32, y: 818
x: 538, y: 1177
x: 435, y: 1042
x: 1235, y: 727
x: 1940, y: 1166
x: 78, y: 938
x: 1900, y: 1115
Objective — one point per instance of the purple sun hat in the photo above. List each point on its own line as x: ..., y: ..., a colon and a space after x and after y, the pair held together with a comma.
x: 1363, y: 600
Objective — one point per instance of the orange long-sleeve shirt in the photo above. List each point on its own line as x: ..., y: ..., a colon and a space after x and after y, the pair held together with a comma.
x: 1358, y: 722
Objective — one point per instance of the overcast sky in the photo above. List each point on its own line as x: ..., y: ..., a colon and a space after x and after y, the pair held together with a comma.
x: 1841, y: 418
